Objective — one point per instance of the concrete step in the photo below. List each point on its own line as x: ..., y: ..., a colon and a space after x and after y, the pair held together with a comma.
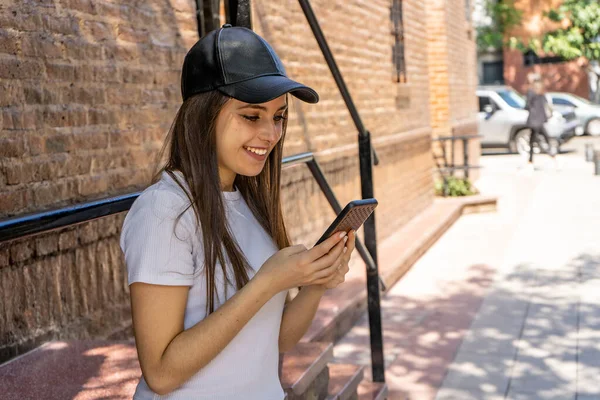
x: 343, y: 381
x: 368, y: 390
x: 305, y: 374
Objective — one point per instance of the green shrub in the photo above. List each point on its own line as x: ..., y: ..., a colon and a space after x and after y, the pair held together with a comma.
x: 456, y: 187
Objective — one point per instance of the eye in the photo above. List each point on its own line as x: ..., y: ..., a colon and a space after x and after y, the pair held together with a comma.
x: 279, y: 118
x: 251, y: 118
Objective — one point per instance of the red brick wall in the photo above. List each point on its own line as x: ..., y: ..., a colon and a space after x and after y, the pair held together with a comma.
x: 90, y: 88
x: 453, y: 75
x: 562, y: 77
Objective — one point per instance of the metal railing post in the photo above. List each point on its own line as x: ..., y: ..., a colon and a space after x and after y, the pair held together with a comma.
x: 366, y: 156
x: 466, y: 157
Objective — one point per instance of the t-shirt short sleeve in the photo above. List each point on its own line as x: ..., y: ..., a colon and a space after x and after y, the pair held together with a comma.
x: 157, y: 245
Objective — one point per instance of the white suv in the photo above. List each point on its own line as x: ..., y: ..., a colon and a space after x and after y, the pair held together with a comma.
x: 502, y: 121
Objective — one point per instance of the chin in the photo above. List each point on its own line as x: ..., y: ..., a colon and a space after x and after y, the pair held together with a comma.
x: 250, y: 171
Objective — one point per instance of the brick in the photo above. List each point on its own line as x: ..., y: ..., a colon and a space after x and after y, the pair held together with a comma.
x: 137, y: 75
x: 67, y: 240
x: 77, y: 49
x: 21, y: 251
x: 92, y: 185
x: 20, y: 20
x: 46, y: 245
x: 61, y: 71
x: 127, y: 34
x: 11, y: 68
x: 4, y: 256
x: 33, y: 95
x: 85, y: 6
x: 54, y: 193
x: 12, y: 147
x: 41, y: 45
x: 100, y: 31
x: 101, y: 116
x: 14, y: 202
x: 19, y: 173
x: 90, y: 141
x: 9, y: 42
x: 64, y: 25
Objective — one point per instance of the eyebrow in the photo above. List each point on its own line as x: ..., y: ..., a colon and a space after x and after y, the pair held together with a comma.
x: 258, y: 107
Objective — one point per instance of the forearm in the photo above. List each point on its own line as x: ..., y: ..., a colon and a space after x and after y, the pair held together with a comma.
x: 194, y: 348
x: 298, y: 315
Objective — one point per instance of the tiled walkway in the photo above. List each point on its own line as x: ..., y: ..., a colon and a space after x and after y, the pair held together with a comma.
x: 506, y: 305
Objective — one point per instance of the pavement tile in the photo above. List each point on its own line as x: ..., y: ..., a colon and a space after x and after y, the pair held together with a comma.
x: 537, y: 374
x: 479, y: 373
x: 447, y: 393
x: 542, y: 395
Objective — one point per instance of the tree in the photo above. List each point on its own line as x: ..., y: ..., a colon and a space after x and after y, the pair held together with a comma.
x: 501, y: 17
x: 578, y: 36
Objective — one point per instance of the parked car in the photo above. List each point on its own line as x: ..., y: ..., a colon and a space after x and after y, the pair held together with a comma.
x: 587, y: 113
x: 502, y: 121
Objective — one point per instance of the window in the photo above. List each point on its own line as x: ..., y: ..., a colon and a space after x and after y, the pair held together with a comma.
x: 530, y: 58
x: 493, y: 72
x: 398, y: 48
x: 562, y: 102
x: 484, y: 101
x: 512, y: 98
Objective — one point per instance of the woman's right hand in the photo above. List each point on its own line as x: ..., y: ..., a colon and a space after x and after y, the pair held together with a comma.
x: 297, y: 266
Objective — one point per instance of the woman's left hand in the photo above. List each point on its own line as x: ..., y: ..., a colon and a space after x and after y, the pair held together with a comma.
x: 339, y: 276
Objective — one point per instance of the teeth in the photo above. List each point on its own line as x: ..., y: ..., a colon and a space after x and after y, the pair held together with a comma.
x: 260, y: 152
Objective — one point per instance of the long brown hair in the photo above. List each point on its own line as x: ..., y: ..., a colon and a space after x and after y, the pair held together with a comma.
x: 191, y: 149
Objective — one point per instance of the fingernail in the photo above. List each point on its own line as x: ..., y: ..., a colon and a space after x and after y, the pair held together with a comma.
x: 345, y: 249
x: 345, y: 239
x: 342, y: 234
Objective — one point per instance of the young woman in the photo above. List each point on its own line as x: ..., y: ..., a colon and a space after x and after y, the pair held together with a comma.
x: 539, y: 112
x: 208, y: 258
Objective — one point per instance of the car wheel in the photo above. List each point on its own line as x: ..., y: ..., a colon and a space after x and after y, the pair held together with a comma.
x: 520, y: 144
x: 593, y: 127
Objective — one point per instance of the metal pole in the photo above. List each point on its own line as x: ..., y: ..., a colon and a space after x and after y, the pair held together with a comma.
x: 373, y: 294
x: 237, y: 13
x: 466, y: 157
x: 200, y: 17
x: 335, y: 71
x: 365, y: 152
x: 317, y: 173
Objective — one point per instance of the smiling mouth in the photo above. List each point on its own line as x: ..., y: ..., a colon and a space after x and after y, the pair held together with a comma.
x: 260, y: 152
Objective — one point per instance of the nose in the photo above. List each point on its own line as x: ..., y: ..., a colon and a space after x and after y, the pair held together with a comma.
x: 270, y: 132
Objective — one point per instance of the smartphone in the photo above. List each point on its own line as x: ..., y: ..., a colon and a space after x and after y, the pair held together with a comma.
x: 352, y: 217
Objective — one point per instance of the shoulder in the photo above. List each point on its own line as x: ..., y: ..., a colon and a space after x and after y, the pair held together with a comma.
x: 160, y: 205
x: 165, y: 197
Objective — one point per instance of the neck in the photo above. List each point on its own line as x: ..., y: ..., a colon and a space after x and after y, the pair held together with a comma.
x: 227, y: 184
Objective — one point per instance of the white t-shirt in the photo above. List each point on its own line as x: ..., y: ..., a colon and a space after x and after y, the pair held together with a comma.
x: 248, y: 367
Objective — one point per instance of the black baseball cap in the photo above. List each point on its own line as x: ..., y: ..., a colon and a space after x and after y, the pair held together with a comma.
x: 241, y: 64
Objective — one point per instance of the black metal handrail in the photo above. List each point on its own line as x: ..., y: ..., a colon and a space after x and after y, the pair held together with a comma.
x: 449, y: 164
x: 367, y: 157
x: 46, y: 221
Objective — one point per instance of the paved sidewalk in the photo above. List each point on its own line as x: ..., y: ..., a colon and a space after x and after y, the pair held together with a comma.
x: 505, y: 305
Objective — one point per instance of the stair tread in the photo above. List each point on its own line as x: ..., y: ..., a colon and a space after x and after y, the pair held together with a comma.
x: 303, y: 363
x: 77, y: 368
x: 344, y: 380
x: 368, y: 390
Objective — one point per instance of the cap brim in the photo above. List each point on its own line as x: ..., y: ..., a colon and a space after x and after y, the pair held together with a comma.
x: 266, y: 88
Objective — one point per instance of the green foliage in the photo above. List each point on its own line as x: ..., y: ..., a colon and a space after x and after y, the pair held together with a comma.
x: 581, y: 37
x: 456, y: 187
x: 504, y: 16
